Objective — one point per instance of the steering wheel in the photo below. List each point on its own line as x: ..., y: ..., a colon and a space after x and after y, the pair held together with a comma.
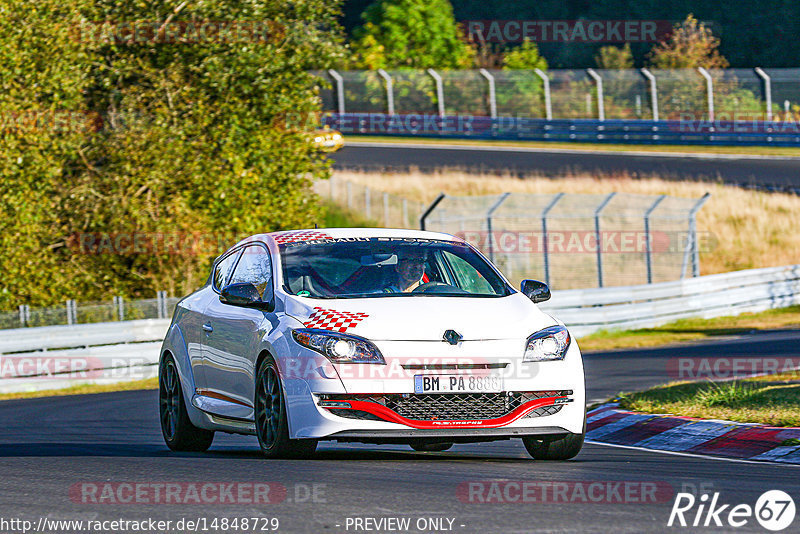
x: 436, y: 287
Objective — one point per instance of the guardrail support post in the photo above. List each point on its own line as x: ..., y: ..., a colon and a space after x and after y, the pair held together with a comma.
x: 649, y: 238
x: 389, y: 91
x: 693, y: 231
x: 439, y: 91
x: 601, y: 109
x: 430, y: 209
x: 548, y: 106
x: 653, y: 91
x: 599, y: 243
x: 545, y: 251
x: 489, y: 214
x: 339, y: 89
x: 767, y: 91
x: 492, y: 94
x: 709, y: 90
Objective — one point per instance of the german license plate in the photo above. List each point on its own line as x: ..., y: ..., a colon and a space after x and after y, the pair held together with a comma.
x: 457, y: 384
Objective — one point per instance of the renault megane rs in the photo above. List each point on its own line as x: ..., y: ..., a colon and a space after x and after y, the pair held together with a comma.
x: 373, y: 336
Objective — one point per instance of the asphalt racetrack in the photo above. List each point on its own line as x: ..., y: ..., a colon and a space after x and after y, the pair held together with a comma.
x: 53, y: 449
x: 758, y: 171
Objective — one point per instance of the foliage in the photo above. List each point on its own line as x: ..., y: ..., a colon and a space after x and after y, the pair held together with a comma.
x: 188, y: 140
x: 526, y: 56
x: 690, y: 45
x: 410, y: 34
x: 614, y: 57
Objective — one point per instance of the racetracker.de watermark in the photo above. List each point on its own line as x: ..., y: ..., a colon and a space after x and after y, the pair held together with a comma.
x: 203, y: 492
x: 688, y: 368
x: 585, y: 241
x: 53, y: 121
x: 149, y: 32
x: 736, y: 122
x: 567, y: 31
x: 574, y: 492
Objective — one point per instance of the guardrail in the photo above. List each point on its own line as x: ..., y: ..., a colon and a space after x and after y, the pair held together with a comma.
x: 586, y: 311
x: 60, y: 356
x: 688, y: 132
x: 55, y: 357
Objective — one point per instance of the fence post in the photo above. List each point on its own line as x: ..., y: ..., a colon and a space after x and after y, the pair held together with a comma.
x: 489, y: 214
x: 649, y: 239
x: 710, y: 90
x: 545, y: 251
x: 492, y: 94
x: 653, y: 91
x: 389, y: 91
x: 767, y: 91
x: 599, y: 242
x: 72, y: 315
x: 601, y: 109
x: 405, y: 212
x: 120, y: 308
x: 367, y: 203
x: 386, y: 210
x: 339, y: 89
x: 548, y: 107
x: 439, y: 91
x: 349, y: 187
x: 693, y: 230
x: 24, y: 314
x: 430, y: 210
x: 160, y: 304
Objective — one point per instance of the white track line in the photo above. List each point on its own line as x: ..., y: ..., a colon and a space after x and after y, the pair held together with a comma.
x: 692, y: 455
x: 638, y: 153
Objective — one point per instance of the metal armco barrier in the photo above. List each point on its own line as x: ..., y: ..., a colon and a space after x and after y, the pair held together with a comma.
x: 689, y: 132
x: 586, y: 311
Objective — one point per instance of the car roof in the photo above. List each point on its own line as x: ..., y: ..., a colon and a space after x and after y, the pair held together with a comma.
x: 313, y: 234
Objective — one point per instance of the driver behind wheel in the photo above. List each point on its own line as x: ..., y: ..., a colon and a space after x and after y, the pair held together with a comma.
x: 410, y: 269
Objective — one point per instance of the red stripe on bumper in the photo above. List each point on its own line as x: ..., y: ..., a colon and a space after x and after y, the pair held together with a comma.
x: 390, y: 415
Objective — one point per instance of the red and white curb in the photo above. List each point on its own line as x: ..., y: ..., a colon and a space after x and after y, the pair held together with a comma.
x: 610, y: 424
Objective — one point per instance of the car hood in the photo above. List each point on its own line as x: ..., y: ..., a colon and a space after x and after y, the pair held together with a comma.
x: 422, y: 318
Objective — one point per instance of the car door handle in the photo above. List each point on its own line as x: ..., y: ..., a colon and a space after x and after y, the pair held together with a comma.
x: 208, y: 328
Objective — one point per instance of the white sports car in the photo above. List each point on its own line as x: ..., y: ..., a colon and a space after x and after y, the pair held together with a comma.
x: 373, y: 336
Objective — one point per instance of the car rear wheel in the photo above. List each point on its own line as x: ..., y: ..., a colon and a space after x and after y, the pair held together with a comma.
x: 560, y: 447
x: 272, y: 426
x: 424, y: 446
x: 179, y: 432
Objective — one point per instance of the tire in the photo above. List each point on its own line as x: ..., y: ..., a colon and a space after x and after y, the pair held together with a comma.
x: 272, y: 427
x: 424, y: 446
x: 560, y: 447
x: 178, y: 431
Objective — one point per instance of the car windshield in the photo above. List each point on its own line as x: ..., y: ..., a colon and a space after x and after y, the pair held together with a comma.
x: 387, y: 267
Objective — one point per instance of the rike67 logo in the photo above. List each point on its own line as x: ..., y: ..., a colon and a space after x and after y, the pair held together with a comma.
x: 774, y: 510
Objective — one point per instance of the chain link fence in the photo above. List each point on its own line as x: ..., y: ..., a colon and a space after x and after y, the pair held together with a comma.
x: 72, y: 312
x: 654, y: 94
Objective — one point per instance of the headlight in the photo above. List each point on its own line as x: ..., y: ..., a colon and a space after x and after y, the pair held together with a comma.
x: 548, y: 344
x: 338, y: 348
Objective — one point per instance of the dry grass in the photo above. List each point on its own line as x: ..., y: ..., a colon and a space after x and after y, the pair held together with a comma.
x: 753, y: 229
x: 84, y: 389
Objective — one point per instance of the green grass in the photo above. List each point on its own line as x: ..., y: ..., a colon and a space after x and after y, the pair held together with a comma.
x: 687, y: 330
x: 82, y: 389
x: 596, y: 147
x: 335, y: 216
x: 773, y: 400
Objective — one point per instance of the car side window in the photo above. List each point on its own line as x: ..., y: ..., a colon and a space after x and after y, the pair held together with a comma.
x: 254, y: 267
x: 468, y: 277
x: 222, y: 270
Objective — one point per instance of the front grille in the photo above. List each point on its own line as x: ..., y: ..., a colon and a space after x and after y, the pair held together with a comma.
x: 452, y: 406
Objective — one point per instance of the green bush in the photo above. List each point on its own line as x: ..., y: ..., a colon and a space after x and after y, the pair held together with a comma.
x: 165, y: 137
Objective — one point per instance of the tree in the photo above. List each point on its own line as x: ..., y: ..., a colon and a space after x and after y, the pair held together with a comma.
x: 193, y: 140
x: 613, y: 57
x: 690, y: 45
x: 525, y: 56
x: 412, y: 34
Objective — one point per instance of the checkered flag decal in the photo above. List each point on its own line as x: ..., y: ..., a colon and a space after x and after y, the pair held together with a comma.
x: 299, y: 236
x: 334, y: 320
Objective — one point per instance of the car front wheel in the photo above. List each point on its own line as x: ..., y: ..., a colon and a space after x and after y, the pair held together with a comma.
x: 178, y: 431
x: 560, y: 447
x: 272, y: 426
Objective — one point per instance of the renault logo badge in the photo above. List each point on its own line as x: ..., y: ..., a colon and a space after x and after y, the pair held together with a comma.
x: 452, y: 337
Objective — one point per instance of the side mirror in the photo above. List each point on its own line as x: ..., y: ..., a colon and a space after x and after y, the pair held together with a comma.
x: 535, y: 290
x: 245, y: 294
